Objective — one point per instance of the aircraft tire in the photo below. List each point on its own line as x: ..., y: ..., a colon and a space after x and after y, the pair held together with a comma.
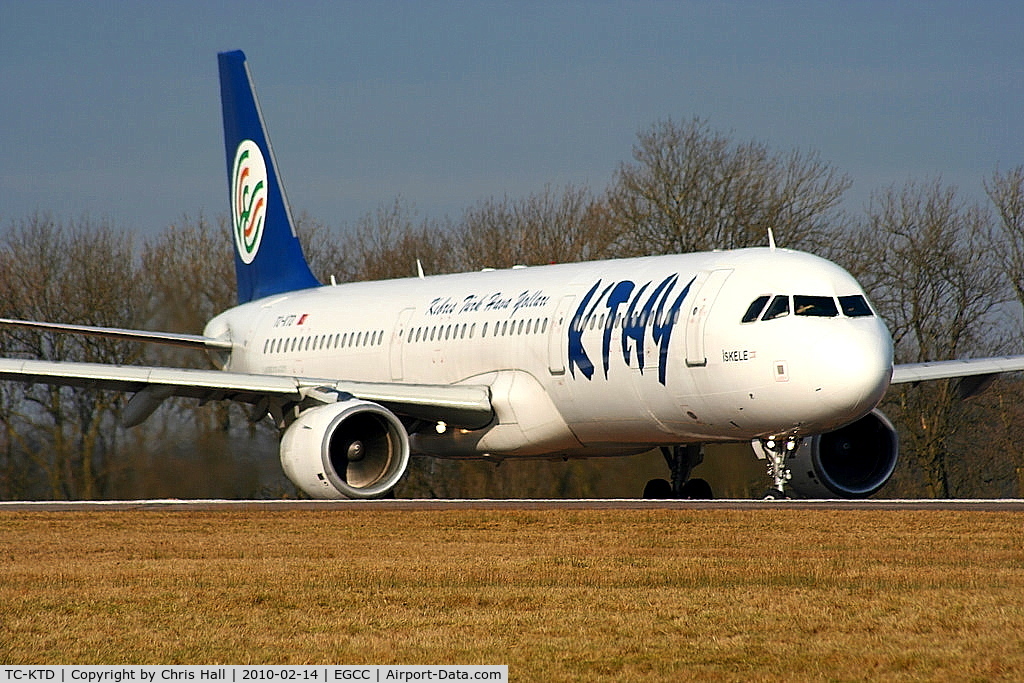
x: 697, y: 489
x: 657, y: 489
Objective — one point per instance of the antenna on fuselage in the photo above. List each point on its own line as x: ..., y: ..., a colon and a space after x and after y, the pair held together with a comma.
x: 771, y: 239
x: 419, y: 269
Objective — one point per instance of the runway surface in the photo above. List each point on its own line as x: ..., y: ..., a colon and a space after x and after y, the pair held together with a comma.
x: 987, y: 505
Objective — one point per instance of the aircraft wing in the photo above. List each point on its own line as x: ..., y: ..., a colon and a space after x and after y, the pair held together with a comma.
x: 467, y: 406
x: 457, y: 405
x: 975, y: 374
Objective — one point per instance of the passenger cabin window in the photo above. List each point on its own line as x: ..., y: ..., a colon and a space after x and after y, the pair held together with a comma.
x: 756, y: 306
x: 855, y: 306
x: 817, y: 306
x: 778, y: 308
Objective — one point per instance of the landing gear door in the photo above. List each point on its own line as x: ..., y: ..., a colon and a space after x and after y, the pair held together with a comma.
x: 697, y: 316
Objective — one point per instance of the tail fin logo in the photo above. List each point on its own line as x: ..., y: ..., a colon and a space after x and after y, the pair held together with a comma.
x: 248, y: 199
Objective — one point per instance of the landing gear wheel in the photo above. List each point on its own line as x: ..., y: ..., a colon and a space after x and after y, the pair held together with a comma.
x: 681, y: 460
x: 696, y: 489
x: 774, y: 494
x: 658, y: 489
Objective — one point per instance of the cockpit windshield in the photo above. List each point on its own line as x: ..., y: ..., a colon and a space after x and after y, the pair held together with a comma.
x: 756, y: 306
x: 818, y: 306
x: 853, y: 306
x: 778, y: 308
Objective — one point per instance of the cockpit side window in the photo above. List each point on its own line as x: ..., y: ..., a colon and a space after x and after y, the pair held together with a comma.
x: 817, y: 306
x: 855, y: 306
x: 756, y: 306
x: 778, y: 308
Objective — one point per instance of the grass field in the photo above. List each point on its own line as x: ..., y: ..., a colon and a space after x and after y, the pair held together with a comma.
x: 556, y: 595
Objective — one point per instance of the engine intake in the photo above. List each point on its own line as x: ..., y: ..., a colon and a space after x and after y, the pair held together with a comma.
x: 852, y: 462
x: 349, y: 449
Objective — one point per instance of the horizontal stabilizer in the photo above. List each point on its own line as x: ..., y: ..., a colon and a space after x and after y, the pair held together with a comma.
x: 195, y: 341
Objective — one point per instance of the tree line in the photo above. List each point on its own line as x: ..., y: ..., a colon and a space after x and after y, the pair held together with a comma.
x: 946, y: 272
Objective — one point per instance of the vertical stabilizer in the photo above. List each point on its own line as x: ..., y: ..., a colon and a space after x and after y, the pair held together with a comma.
x: 268, y: 257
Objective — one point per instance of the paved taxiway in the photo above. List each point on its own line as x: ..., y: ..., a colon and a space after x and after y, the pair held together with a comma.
x: 964, y: 505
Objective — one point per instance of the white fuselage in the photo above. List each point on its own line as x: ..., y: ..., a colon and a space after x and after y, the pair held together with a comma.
x: 592, y: 358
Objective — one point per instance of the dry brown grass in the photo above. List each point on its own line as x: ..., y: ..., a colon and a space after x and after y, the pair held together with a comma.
x: 556, y: 595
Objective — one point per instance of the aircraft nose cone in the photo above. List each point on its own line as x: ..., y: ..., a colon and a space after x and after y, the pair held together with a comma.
x: 856, y: 370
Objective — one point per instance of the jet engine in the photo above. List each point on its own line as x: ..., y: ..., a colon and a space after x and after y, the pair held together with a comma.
x: 349, y: 449
x: 852, y: 462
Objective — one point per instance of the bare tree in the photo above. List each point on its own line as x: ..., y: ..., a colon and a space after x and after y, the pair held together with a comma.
x: 1006, y: 191
x: 690, y: 188
x: 384, y: 244
x: 922, y: 255
x: 550, y: 226
x: 83, y: 273
x: 189, y: 269
x: 190, y: 274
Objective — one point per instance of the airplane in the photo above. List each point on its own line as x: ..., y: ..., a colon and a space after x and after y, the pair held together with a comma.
x: 765, y: 345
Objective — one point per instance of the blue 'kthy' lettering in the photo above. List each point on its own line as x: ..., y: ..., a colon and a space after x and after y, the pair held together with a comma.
x: 652, y: 313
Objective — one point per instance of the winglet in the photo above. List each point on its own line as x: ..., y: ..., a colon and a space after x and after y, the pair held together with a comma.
x: 268, y: 257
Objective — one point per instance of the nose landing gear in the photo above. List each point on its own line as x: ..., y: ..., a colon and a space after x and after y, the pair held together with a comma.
x: 777, y: 451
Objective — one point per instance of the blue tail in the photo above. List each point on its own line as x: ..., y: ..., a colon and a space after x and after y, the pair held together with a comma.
x: 268, y: 257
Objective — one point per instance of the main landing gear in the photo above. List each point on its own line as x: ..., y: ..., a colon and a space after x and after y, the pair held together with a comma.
x: 681, y: 461
x: 777, y: 451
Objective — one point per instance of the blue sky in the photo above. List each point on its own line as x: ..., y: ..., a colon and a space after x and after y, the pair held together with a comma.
x: 111, y: 109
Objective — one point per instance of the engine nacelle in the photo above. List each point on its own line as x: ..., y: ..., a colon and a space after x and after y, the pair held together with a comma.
x: 349, y: 449
x: 852, y: 462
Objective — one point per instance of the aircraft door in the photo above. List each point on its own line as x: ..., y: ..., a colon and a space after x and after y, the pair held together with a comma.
x: 398, y: 340
x: 697, y: 316
x: 558, y: 341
